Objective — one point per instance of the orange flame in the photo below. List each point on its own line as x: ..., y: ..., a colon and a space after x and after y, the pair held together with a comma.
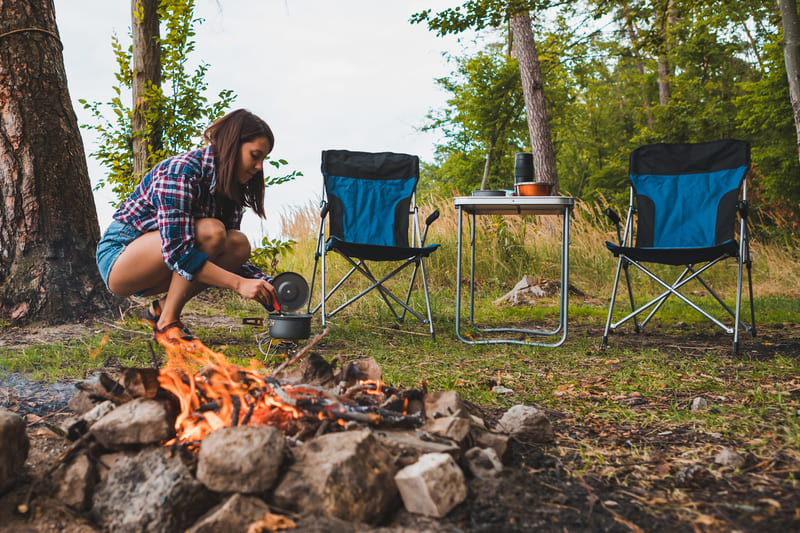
x: 214, y: 393
x: 368, y: 383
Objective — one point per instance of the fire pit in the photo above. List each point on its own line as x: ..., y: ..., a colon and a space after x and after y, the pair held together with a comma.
x: 314, y: 439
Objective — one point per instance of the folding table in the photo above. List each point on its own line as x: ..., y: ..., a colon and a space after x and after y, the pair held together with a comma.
x: 512, y: 205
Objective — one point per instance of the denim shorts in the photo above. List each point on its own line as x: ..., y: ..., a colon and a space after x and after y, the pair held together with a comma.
x: 114, y: 241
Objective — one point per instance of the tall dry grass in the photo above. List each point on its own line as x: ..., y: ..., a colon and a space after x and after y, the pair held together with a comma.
x: 510, y: 247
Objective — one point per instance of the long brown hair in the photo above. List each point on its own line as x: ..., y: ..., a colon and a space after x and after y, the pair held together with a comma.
x: 226, y: 135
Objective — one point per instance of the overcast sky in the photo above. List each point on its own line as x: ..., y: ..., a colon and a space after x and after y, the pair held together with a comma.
x: 351, y: 74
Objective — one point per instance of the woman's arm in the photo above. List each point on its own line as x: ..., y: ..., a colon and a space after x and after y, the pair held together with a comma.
x: 255, y: 289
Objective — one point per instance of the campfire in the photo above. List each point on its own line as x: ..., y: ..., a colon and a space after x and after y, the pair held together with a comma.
x: 214, y: 394
x: 310, y: 439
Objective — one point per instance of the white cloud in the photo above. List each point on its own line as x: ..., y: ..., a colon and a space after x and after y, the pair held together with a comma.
x: 324, y: 74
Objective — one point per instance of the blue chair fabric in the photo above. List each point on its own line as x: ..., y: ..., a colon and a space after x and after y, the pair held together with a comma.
x: 369, y: 200
x: 685, y: 198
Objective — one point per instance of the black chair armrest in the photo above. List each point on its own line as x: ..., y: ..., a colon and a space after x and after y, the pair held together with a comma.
x: 611, y: 214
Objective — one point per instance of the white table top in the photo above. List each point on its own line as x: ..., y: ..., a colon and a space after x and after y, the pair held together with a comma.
x: 514, y: 205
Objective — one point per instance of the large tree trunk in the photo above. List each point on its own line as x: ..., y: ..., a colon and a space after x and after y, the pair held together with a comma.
x: 544, y: 159
x: 48, y: 222
x: 791, y: 56
x: 146, y: 71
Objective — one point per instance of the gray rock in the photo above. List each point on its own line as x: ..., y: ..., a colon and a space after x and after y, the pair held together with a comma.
x: 451, y: 427
x: 443, y: 403
x: 526, y: 423
x: 728, y: 457
x: 432, y: 486
x: 483, y: 462
x: 151, y: 492
x: 14, y: 446
x: 495, y: 441
x: 137, y: 422
x: 348, y: 475
x: 241, y: 459
x: 408, y: 446
x: 234, y: 515
x: 692, y: 476
x: 77, y: 483
x: 699, y: 404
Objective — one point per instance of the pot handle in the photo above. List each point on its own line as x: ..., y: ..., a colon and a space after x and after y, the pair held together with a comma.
x: 253, y: 321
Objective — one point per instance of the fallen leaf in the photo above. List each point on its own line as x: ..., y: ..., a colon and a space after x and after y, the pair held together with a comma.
x: 270, y: 523
x: 774, y: 505
x: 706, y: 520
x: 32, y: 419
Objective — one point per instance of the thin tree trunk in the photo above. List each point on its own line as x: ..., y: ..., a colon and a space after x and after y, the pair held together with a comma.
x: 146, y: 72
x: 544, y: 159
x: 665, y: 69
x: 489, y: 152
x: 48, y: 222
x: 791, y: 56
x: 634, y: 38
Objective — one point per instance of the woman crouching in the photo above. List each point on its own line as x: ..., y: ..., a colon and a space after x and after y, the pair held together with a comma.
x: 178, y: 232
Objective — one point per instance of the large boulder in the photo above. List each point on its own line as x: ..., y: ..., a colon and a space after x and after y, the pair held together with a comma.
x: 151, y: 492
x: 241, y: 459
x: 348, y: 475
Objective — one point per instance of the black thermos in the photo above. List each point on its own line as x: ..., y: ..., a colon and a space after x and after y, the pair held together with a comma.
x: 523, y: 167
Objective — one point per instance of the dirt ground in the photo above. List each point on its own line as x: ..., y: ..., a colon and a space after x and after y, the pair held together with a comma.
x: 550, y: 488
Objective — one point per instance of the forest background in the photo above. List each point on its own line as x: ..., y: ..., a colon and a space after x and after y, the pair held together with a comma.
x: 616, y: 74
x: 620, y: 74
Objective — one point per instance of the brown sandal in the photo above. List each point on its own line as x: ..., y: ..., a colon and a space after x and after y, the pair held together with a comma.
x: 152, y: 314
x: 173, y: 333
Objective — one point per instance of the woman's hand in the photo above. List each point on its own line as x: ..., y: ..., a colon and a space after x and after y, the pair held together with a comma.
x: 259, y: 290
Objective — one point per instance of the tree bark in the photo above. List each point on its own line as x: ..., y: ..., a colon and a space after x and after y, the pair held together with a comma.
x: 791, y: 56
x: 544, y: 159
x: 487, y: 165
x: 633, y: 35
x: 48, y: 222
x: 146, y: 71
x: 665, y: 70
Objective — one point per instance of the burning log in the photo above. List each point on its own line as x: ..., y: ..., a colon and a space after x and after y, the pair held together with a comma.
x: 104, y: 388
x: 219, y: 395
x: 140, y: 382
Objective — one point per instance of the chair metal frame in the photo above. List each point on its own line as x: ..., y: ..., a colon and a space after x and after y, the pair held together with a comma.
x: 691, y: 272
x: 418, y: 238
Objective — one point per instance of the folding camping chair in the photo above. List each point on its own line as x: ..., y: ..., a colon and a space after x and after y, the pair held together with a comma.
x: 368, y: 199
x: 685, y: 198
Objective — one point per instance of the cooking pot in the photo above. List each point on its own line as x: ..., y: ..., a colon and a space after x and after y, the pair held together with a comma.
x: 292, y: 294
x: 291, y: 326
x: 292, y: 291
x: 532, y: 188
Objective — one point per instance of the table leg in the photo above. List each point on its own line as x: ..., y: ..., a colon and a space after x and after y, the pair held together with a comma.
x: 563, y: 296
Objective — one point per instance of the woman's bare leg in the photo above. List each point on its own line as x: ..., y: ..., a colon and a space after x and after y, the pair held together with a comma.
x: 228, y: 249
x: 141, y: 267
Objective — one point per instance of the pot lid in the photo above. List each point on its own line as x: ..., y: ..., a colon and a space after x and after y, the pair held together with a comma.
x: 292, y: 290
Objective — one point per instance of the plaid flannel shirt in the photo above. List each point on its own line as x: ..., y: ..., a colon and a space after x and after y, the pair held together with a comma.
x: 169, y: 199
